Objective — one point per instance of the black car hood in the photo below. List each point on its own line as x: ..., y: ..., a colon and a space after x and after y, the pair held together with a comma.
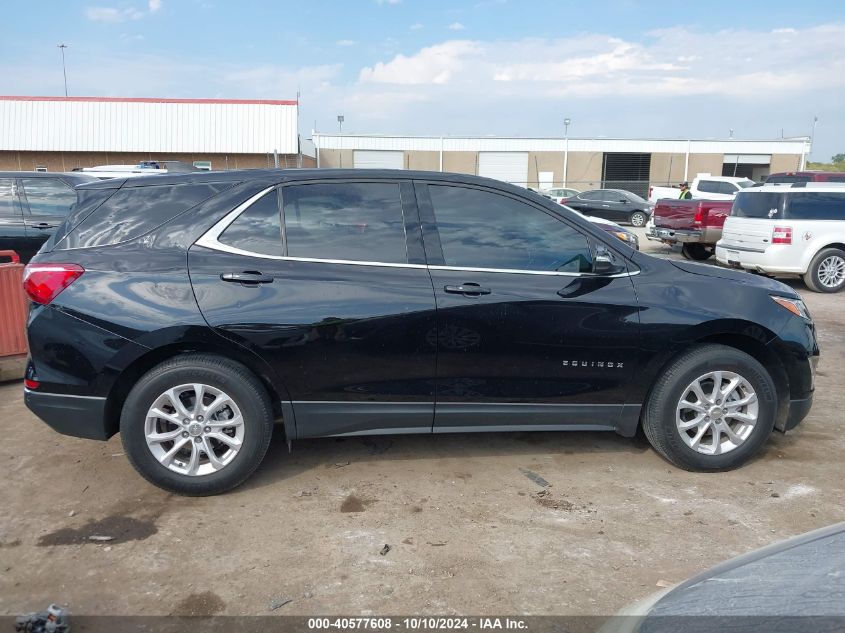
x: 758, y: 281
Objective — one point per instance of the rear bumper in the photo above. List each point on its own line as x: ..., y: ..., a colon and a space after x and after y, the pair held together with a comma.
x: 772, y: 259
x: 79, y: 416
x: 685, y: 236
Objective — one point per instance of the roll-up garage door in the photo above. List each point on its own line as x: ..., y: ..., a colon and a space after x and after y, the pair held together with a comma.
x: 378, y: 159
x: 511, y: 167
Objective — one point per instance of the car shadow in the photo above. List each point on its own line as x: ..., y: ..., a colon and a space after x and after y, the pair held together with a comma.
x: 320, y: 453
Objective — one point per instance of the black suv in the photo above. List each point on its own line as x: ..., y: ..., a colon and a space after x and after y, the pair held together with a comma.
x: 32, y: 205
x: 191, y: 312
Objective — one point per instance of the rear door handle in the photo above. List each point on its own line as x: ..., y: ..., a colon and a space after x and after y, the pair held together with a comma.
x: 470, y: 289
x: 247, y: 278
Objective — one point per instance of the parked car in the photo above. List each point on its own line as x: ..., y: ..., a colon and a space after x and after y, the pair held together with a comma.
x: 705, y: 186
x: 144, y: 168
x: 805, y: 176
x: 558, y: 194
x: 695, y: 224
x: 798, y: 230
x: 617, y: 231
x: 798, y: 581
x: 617, y: 205
x: 32, y: 205
x: 190, y: 312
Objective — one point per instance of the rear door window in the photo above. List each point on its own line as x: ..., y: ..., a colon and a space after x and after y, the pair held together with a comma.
x: 345, y: 221
x: 48, y: 196
x: 132, y: 212
x: 710, y: 186
x: 727, y: 187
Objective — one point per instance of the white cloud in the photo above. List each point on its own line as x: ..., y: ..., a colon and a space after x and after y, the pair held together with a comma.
x: 432, y: 65
x: 346, y: 42
x: 456, y: 26
x: 154, y: 5
x: 416, y: 26
x: 112, y: 14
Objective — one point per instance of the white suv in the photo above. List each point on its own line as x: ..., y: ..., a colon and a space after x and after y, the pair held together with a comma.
x: 798, y: 229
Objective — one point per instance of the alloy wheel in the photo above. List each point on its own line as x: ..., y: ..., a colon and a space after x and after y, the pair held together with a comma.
x: 194, y: 429
x: 717, y: 412
x: 831, y: 271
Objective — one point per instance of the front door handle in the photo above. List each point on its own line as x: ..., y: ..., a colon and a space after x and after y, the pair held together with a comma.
x: 43, y: 225
x: 247, y: 278
x: 469, y: 289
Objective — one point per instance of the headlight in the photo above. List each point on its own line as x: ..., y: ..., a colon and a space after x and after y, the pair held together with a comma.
x: 795, y: 306
x: 622, y: 235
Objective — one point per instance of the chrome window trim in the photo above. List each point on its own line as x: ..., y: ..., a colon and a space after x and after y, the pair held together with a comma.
x: 210, y: 240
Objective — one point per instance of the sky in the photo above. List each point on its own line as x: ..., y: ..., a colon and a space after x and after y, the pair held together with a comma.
x: 616, y: 68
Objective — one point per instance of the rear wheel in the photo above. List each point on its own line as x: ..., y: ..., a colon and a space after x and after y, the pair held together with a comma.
x: 197, y: 424
x: 827, y: 271
x: 697, y: 252
x: 712, y: 409
x: 638, y: 218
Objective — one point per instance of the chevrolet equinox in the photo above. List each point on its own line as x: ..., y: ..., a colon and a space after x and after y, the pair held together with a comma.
x: 193, y: 312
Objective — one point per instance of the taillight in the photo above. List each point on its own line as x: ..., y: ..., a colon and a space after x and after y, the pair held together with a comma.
x: 31, y: 384
x: 699, y: 215
x: 650, y: 190
x: 782, y: 235
x: 44, y: 282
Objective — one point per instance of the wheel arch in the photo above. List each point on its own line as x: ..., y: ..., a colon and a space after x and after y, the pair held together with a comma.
x: 815, y: 252
x: 140, y: 365
x: 753, y: 342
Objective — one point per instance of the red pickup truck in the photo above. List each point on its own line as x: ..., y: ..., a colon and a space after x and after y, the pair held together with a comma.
x: 695, y: 224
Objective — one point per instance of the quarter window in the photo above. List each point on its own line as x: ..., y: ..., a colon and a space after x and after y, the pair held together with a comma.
x: 481, y: 229
x: 8, y: 198
x: 346, y: 221
x: 48, y: 196
x: 816, y: 205
x: 258, y: 229
x: 709, y: 186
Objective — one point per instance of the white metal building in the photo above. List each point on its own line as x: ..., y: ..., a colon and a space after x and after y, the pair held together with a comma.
x: 60, y: 133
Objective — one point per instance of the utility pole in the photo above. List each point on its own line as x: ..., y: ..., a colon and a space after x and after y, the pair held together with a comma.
x: 62, y: 48
x: 340, y: 123
x: 813, y: 135
x: 566, y: 123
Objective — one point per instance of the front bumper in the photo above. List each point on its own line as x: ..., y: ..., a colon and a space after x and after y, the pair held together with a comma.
x: 79, y: 416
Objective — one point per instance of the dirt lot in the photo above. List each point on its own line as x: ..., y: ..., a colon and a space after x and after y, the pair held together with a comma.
x: 469, y: 531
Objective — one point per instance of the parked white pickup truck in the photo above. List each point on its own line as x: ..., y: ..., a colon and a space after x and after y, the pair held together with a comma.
x: 704, y: 186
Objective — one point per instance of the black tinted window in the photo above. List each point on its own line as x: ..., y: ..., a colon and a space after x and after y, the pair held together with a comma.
x: 258, y: 229
x: 758, y: 205
x: 8, y: 198
x: 727, y: 187
x: 820, y: 205
x: 709, y: 186
x: 591, y: 195
x: 480, y: 229
x: 48, y: 196
x: 132, y: 212
x: 774, y: 180
x: 353, y: 221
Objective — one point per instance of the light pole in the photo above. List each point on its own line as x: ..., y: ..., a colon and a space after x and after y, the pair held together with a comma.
x: 339, y: 123
x: 813, y: 135
x: 566, y: 123
x: 62, y: 48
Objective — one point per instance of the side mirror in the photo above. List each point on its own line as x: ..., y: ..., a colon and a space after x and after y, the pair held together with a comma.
x: 604, y: 262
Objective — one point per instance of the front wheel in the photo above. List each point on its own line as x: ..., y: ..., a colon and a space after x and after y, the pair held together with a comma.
x: 827, y: 271
x: 197, y: 424
x: 638, y: 218
x: 697, y: 252
x: 713, y: 408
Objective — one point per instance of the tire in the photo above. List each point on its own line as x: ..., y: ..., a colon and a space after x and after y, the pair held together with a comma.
x: 827, y: 271
x: 230, y: 393
x: 697, y: 252
x: 638, y: 219
x: 663, y: 412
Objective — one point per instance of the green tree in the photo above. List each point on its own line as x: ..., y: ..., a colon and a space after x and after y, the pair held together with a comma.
x: 838, y: 158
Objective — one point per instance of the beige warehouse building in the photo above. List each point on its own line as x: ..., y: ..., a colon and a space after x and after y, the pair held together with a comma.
x: 580, y: 163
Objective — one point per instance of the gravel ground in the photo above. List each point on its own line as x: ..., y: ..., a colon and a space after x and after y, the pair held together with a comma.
x: 469, y: 529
